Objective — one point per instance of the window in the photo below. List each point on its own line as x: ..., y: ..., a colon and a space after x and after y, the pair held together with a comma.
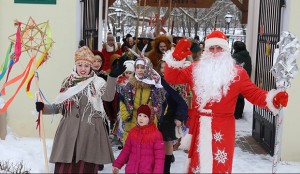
x: 36, y: 1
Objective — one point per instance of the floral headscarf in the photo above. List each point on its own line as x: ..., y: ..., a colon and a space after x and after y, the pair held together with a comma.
x: 73, y: 79
x: 74, y: 86
x: 151, y: 77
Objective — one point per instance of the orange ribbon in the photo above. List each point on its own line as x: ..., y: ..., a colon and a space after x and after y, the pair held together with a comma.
x: 24, y: 75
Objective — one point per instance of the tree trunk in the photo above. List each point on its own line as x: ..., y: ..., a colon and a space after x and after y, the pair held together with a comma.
x: 189, y: 26
x: 196, y: 24
x: 182, y: 25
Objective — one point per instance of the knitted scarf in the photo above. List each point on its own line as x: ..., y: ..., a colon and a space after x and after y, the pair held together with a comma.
x: 148, y: 131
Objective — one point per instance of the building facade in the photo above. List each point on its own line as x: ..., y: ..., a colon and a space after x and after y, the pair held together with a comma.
x: 65, y: 21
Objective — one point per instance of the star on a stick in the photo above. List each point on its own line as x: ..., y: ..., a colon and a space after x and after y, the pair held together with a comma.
x: 35, y: 38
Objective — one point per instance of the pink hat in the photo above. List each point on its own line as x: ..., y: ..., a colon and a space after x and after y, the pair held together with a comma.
x: 216, y: 38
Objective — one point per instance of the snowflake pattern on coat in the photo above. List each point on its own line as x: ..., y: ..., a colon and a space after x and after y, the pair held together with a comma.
x: 196, y: 170
x: 218, y: 136
x: 221, y: 156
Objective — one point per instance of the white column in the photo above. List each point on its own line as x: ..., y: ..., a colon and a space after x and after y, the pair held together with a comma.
x: 252, y: 32
x: 100, y: 26
x: 78, y: 22
x: 285, y: 16
x: 105, y: 20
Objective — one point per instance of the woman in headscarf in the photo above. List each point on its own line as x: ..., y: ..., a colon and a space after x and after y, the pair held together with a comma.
x: 81, y: 141
x: 144, y: 87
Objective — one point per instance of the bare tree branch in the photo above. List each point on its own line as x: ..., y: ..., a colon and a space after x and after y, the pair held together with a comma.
x: 130, y: 8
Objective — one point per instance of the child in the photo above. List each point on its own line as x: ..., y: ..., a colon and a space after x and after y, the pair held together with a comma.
x: 124, y: 78
x: 144, y: 87
x: 144, y: 148
x: 122, y: 81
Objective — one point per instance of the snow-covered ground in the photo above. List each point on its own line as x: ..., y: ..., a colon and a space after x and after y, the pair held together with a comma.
x: 29, y: 150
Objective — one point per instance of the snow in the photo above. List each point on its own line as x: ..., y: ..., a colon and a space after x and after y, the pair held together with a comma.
x: 30, y: 151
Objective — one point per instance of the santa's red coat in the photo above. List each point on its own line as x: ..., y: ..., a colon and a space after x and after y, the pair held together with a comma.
x: 218, y: 154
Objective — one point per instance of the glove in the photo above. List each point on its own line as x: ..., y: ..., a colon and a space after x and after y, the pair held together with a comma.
x: 280, y: 99
x: 39, y: 106
x: 118, y: 67
x: 182, y: 49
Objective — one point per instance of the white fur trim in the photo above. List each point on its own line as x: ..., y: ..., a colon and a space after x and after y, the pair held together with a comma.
x: 269, y: 99
x: 111, y: 49
x: 188, y: 162
x: 168, y: 58
x: 185, y: 142
x: 205, y: 145
x: 216, y: 41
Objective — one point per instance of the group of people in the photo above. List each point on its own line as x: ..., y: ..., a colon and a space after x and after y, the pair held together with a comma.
x: 156, y: 93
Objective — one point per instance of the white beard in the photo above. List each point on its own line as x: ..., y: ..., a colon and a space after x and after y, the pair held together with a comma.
x: 212, y: 76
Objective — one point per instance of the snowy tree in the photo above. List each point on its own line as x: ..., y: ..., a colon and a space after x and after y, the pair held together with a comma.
x: 186, y: 21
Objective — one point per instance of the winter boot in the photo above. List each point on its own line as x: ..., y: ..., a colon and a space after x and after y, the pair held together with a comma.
x: 168, y: 161
x: 101, y: 167
x: 173, y: 158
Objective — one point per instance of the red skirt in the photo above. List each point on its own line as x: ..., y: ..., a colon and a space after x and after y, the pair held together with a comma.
x: 80, y: 167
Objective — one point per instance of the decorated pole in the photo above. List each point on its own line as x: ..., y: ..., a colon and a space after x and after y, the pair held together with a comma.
x: 145, y: 3
x: 284, y: 69
x: 137, y: 25
x: 157, y: 30
x: 173, y: 21
x: 170, y: 10
x: 41, y: 122
x: 39, y: 97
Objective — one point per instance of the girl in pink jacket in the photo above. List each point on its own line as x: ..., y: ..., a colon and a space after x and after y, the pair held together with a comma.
x: 144, y: 147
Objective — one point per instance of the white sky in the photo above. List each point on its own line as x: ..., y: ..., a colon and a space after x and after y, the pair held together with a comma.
x: 29, y: 150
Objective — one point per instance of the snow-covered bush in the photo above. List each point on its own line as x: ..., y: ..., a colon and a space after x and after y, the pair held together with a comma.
x: 10, y: 167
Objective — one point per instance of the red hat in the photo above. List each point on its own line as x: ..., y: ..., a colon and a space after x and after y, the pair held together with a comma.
x: 98, y: 55
x: 145, y: 109
x: 216, y: 38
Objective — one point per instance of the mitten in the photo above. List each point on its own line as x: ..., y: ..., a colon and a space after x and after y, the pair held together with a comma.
x: 280, y: 99
x: 182, y: 49
x: 117, y: 67
x: 39, y: 106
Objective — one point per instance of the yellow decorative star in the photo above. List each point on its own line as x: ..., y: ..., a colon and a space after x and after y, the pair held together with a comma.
x: 35, y: 38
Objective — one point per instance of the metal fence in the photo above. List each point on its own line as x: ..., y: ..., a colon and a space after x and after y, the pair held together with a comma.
x: 263, y: 128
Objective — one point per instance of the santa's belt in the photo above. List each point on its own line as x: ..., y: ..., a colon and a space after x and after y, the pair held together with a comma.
x: 209, y: 113
x: 206, y: 112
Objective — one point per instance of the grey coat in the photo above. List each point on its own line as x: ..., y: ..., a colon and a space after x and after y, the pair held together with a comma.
x: 75, y: 138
